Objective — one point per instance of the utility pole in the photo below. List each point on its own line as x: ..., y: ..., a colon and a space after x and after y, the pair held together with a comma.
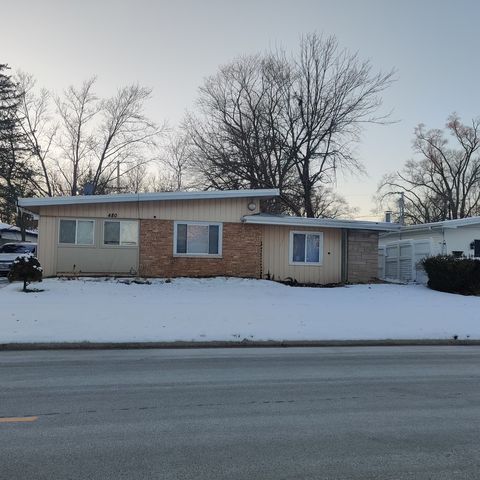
x: 118, y: 177
x: 401, y: 208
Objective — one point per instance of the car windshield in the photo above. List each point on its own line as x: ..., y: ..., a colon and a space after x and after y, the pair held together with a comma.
x: 17, y: 249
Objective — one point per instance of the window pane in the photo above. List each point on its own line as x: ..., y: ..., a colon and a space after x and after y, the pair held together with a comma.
x: 197, y: 239
x: 181, y: 238
x: 313, y: 248
x: 298, y: 247
x: 111, y: 233
x: 85, y: 232
x: 129, y: 233
x: 67, y: 231
x: 213, y: 239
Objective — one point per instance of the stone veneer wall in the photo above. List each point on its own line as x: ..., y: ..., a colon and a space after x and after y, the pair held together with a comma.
x: 241, y: 252
x: 362, y: 263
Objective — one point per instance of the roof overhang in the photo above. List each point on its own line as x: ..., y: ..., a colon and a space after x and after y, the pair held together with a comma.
x: 33, y: 204
x: 320, y: 223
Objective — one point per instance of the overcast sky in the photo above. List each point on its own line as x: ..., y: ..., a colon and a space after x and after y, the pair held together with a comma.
x: 172, y: 45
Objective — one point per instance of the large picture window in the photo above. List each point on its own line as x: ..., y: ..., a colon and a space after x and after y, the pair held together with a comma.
x: 198, y: 238
x: 76, y: 232
x: 120, y: 232
x: 306, y: 248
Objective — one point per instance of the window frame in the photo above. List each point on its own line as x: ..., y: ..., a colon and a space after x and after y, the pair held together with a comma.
x: 200, y: 255
x: 108, y: 245
x: 320, y: 248
x: 76, y: 220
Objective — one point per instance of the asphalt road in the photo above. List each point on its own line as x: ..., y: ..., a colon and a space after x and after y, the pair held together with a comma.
x: 312, y: 413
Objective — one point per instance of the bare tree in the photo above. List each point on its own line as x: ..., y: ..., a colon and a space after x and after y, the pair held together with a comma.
x: 35, y: 118
x: 335, y: 94
x: 136, y: 179
x: 237, y: 140
x: 267, y: 121
x: 77, y: 109
x: 176, y: 156
x: 329, y: 204
x: 96, y: 135
x: 160, y: 182
x: 444, y: 181
x: 124, y: 132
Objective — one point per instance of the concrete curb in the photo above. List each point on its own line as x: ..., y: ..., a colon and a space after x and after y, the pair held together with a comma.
x: 223, y: 344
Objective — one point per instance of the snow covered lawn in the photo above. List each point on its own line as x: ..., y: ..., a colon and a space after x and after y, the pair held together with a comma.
x: 100, y: 310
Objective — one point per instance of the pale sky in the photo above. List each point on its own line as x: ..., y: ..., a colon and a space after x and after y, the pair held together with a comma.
x: 172, y: 45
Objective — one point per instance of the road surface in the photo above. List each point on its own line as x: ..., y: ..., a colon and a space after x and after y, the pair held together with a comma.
x: 311, y: 413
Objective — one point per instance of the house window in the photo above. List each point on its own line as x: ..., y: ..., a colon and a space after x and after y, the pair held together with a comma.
x: 306, y: 248
x: 120, y: 232
x: 198, y: 238
x: 76, y: 232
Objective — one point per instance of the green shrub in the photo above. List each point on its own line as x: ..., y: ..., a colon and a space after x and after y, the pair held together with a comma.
x: 447, y: 273
x: 26, y: 270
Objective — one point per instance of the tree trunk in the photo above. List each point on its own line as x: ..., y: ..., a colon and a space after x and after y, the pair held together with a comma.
x: 22, y: 226
x: 307, y: 201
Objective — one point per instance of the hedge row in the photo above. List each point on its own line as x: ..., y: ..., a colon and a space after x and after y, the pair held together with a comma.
x: 447, y: 273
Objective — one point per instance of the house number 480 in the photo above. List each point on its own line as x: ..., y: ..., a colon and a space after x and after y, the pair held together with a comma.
x: 112, y: 215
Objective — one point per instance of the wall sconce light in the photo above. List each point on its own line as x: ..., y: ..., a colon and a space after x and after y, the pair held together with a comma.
x: 252, y: 206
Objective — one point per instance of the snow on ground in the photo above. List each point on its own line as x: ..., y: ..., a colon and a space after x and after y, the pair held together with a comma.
x: 100, y: 310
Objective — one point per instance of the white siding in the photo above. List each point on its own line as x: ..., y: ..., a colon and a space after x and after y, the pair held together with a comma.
x: 442, y: 241
x: 459, y: 239
x: 435, y: 237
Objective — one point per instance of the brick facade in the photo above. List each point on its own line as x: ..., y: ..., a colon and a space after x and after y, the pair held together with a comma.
x: 241, y: 252
x: 362, y: 263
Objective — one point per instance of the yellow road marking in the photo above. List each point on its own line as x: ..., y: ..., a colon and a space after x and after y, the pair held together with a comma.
x: 17, y: 419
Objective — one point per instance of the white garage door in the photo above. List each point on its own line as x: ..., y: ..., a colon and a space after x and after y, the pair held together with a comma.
x: 401, y: 260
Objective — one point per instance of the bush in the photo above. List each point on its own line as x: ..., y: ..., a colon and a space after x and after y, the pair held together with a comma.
x: 26, y: 270
x: 448, y: 273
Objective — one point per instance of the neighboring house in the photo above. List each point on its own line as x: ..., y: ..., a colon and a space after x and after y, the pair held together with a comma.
x: 11, y: 233
x: 401, y: 251
x: 209, y: 233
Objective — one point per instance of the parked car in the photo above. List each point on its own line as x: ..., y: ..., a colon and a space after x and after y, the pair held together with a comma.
x: 10, y: 251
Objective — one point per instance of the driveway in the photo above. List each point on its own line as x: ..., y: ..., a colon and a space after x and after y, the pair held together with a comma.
x: 331, y: 413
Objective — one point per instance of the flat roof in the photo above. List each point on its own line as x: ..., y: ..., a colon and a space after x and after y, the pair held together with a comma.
x: 445, y: 224
x: 146, y: 197
x: 267, y: 219
x: 459, y: 222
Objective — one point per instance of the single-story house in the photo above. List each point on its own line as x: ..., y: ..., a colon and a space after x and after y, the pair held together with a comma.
x: 400, y: 251
x: 11, y: 233
x: 208, y: 233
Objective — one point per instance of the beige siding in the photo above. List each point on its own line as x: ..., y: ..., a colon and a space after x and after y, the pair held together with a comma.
x: 276, y: 256
x: 79, y: 260
x: 220, y: 210
x: 55, y: 258
x: 47, y: 245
